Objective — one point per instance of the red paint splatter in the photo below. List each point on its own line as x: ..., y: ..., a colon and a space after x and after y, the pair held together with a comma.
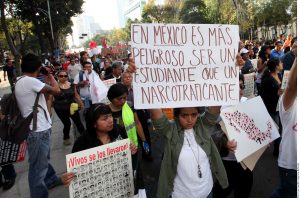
x: 246, y: 123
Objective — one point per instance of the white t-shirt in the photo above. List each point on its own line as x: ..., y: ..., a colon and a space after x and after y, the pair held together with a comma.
x: 73, y: 70
x: 84, y: 91
x: 26, y: 90
x: 187, y: 183
x: 288, y: 145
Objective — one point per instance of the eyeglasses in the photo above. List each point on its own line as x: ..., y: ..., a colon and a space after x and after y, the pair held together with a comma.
x: 242, y: 86
x: 63, y: 76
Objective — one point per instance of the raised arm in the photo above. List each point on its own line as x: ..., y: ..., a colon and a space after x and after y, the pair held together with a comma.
x: 290, y: 92
x: 210, y: 117
x: 139, y: 127
x: 53, y: 87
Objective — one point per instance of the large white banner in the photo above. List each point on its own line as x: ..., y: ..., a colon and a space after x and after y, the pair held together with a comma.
x: 250, y: 129
x: 104, y: 171
x: 185, y: 65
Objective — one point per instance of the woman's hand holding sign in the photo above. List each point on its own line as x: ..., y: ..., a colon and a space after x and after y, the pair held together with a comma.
x: 66, y: 178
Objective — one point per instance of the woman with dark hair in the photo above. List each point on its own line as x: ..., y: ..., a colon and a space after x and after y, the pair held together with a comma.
x: 117, y: 95
x: 101, y: 130
x: 128, y: 119
x: 263, y: 57
x: 62, y: 103
x: 190, y: 157
x: 270, y: 85
x: 271, y: 91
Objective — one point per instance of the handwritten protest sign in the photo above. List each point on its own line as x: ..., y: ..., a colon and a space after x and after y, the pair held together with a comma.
x: 184, y: 65
x: 103, y: 171
x: 249, y: 85
x: 108, y: 84
x: 285, y: 79
x: 250, y: 129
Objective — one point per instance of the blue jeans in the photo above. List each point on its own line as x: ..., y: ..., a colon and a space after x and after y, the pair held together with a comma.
x: 41, y: 173
x: 288, y: 184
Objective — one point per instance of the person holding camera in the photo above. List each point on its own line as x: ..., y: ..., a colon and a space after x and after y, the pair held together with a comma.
x: 41, y: 176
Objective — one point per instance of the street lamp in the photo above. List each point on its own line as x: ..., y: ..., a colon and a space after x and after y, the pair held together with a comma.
x: 48, y: 14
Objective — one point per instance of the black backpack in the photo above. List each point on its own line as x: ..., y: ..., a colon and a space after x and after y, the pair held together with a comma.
x: 13, y: 126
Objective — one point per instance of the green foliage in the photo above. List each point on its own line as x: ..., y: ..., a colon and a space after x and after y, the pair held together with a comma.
x: 61, y: 13
x: 160, y: 13
x: 113, y: 37
x: 21, y: 35
x: 194, y: 11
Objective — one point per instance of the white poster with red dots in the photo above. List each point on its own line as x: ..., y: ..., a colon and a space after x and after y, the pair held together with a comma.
x: 104, y: 171
x: 250, y: 125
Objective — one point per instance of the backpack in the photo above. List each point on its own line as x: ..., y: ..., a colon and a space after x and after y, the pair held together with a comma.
x: 13, y: 126
x: 80, y: 76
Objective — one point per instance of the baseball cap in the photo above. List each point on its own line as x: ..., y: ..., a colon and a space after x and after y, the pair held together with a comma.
x: 244, y: 51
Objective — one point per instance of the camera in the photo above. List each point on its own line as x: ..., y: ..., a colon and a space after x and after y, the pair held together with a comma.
x: 45, y: 70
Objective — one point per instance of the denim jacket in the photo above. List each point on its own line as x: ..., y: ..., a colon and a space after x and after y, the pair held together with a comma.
x: 174, y: 136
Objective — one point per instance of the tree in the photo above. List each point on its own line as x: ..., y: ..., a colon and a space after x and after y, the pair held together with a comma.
x: 61, y: 13
x: 194, y: 11
x: 128, y: 28
x: 160, y: 13
x: 11, y: 45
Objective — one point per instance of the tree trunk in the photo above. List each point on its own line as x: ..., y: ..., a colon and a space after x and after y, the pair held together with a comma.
x: 40, y: 36
x: 37, y: 28
x: 11, y: 45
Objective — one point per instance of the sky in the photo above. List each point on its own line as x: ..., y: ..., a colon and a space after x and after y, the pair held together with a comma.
x: 105, y: 12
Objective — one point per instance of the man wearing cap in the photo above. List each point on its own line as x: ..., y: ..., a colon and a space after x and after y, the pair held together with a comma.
x: 248, y: 67
x: 277, y: 52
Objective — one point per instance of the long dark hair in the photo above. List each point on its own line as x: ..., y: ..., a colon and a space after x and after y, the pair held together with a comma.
x: 271, y: 67
x: 262, y: 53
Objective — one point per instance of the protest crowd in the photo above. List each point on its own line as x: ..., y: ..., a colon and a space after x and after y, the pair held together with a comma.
x: 93, y: 93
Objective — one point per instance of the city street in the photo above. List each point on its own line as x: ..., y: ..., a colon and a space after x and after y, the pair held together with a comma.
x: 265, y: 172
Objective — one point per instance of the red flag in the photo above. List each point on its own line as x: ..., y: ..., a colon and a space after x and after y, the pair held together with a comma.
x: 93, y: 44
x: 104, y: 43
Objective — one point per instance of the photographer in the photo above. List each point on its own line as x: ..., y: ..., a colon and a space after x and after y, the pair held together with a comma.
x: 41, y: 176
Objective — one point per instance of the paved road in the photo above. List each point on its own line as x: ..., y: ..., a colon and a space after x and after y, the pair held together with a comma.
x: 265, y: 173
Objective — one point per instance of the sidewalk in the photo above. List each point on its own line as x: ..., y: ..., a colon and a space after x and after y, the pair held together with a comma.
x: 58, y: 159
x: 264, y: 182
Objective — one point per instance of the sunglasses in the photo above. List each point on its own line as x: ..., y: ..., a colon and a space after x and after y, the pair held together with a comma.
x: 63, y: 76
